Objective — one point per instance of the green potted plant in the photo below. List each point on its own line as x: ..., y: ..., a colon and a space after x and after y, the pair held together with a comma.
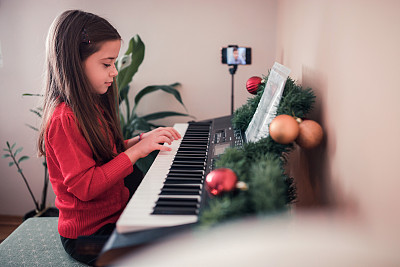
x: 131, y: 122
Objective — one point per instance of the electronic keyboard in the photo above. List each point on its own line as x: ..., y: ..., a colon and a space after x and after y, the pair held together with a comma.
x: 172, y: 192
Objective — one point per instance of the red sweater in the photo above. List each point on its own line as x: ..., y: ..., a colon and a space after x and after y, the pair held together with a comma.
x: 88, y: 195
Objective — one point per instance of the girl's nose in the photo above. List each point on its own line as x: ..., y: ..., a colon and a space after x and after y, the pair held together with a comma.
x: 114, y: 72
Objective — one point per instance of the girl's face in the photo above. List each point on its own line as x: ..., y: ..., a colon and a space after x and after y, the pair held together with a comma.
x: 100, y: 66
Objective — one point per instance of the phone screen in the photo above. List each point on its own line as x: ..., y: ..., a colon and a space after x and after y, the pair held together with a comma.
x: 234, y: 55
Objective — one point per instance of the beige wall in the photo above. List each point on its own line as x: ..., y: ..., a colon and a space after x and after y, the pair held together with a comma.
x: 183, y: 41
x: 348, y: 52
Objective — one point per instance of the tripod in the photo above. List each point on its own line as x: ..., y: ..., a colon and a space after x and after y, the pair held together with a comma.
x: 232, y: 71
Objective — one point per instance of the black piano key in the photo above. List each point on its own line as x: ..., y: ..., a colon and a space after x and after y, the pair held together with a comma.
x: 197, y: 129
x: 193, y: 142
x: 189, y: 161
x: 182, y: 187
x: 192, y: 149
x: 188, y: 171
x: 183, y: 181
x: 175, y: 211
x: 201, y: 123
x: 189, y: 144
x: 186, y: 199
x: 191, y: 155
x: 180, y: 192
x: 192, y: 129
x: 180, y: 169
x: 193, y: 135
x: 188, y: 134
x: 177, y: 166
x: 198, y: 141
x: 173, y: 174
x: 198, y: 126
x: 182, y: 176
x: 187, y: 166
x: 177, y: 202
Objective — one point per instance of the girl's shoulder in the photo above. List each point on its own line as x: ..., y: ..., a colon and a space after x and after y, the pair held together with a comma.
x: 63, y: 120
x: 63, y: 110
x: 63, y: 115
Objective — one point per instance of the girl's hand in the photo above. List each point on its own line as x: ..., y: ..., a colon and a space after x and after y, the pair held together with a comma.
x: 151, y: 141
x: 167, y: 131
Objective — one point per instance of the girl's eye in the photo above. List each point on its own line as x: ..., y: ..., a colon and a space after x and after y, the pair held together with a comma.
x: 107, y: 65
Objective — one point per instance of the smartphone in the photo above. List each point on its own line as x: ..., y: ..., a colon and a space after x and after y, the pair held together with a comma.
x: 236, y: 55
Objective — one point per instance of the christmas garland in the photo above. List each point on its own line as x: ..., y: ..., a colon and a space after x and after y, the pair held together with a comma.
x: 259, y: 165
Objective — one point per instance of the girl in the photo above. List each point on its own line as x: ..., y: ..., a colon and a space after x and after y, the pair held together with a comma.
x: 80, y: 133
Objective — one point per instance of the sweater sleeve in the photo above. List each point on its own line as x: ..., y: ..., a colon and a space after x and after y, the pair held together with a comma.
x: 82, y: 176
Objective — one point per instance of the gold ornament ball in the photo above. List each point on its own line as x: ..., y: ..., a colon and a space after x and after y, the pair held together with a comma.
x: 284, y: 129
x: 310, y: 134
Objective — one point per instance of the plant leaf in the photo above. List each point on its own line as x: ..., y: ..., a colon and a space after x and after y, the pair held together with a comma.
x: 32, y: 127
x: 17, y: 151
x: 36, y: 112
x: 28, y: 94
x: 136, y: 51
x: 10, y: 163
x: 139, y: 124
x: 6, y: 156
x: 123, y: 94
x: 161, y: 115
x: 166, y: 88
x: 12, y: 147
x: 122, y: 119
x: 23, y: 158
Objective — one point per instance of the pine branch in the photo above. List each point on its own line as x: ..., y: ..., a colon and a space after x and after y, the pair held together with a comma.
x: 261, y: 164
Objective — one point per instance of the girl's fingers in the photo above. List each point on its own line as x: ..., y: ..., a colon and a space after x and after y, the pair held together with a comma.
x: 165, y: 139
x: 176, y: 134
x: 164, y: 148
x: 171, y: 132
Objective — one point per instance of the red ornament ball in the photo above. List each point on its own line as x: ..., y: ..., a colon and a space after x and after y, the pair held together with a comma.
x: 284, y: 129
x: 310, y: 134
x: 221, y: 180
x: 252, y: 84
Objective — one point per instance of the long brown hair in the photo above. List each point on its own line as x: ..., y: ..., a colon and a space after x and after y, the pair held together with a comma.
x: 73, y: 37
